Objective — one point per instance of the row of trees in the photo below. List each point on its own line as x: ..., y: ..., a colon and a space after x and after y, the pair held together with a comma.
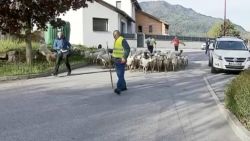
x: 18, y: 17
x: 218, y: 30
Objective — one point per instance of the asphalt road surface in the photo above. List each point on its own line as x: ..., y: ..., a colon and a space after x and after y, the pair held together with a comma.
x: 173, y: 106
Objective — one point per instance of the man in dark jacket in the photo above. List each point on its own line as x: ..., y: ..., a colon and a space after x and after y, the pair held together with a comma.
x: 207, y: 45
x: 62, y: 47
x: 120, y: 54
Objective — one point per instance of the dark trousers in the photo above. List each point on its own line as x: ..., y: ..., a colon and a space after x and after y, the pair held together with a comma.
x: 59, y: 58
x: 176, y: 48
x: 207, y: 48
x: 120, y: 71
x: 151, y: 49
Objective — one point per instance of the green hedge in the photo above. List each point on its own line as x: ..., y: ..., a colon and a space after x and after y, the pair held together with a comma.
x: 238, y: 98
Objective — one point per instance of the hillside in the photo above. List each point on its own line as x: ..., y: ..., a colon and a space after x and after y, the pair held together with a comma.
x: 183, y: 21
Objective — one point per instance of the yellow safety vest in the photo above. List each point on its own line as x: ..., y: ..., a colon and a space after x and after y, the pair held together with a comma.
x: 118, y: 51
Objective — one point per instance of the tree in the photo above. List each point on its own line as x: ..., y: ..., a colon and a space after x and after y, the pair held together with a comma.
x: 218, y: 30
x: 18, y: 17
x: 215, y: 30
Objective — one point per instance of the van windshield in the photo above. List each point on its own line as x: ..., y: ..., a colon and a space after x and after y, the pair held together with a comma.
x: 231, y: 45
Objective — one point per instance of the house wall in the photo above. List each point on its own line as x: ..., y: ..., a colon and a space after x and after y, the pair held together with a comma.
x: 122, y: 19
x: 132, y: 43
x: 81, y: 22
x: 126, y: 5
x: 76, y: 21
x: 162, y: 29
x: 145, y: 22
x: 94, y: 38
x: 133, y: 25
x: 129, y: 8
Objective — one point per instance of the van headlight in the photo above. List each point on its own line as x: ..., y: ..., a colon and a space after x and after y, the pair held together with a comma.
x: 218, y: 57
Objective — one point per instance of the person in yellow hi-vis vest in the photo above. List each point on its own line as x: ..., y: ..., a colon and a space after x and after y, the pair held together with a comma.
x: 120, y: 54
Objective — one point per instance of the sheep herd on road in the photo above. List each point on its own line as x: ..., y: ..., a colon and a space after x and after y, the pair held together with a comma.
x: 144, y: 61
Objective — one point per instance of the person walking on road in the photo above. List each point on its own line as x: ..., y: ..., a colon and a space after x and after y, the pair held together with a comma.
x: 207, y: 45
x: 120, y: 54
x: 176, y: 43
x: 62, y: 47
x: 150, y: 44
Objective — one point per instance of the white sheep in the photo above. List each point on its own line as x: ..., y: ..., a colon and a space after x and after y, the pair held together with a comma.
x: 105, y: 59
x: 130, y: 61
x: 167, y: 63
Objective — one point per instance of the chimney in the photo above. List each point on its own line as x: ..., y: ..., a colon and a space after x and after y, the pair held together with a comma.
x: 118, y: 4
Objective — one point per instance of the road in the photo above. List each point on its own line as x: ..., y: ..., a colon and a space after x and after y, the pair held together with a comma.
x: 173, y: 106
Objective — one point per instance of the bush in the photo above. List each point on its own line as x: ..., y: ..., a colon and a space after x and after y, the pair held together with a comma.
x: 14, y: 44
x: 238, y: 98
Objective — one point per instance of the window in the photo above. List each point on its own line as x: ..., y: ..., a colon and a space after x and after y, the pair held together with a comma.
x: 166, y: 29
x: 118, y: 4
x: 150, y: 29
x: 100, y: 24
x: 123, y: 27
x: 231, y: 45
x: 139, y: 28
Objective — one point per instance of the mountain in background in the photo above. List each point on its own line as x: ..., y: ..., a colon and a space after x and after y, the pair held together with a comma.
x: 183, y: 21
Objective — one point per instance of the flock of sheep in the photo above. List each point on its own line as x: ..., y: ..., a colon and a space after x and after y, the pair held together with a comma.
x: 144, y: 61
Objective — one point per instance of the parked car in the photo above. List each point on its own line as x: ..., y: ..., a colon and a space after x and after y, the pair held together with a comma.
x: 229, y: 53
x: 203, y: 46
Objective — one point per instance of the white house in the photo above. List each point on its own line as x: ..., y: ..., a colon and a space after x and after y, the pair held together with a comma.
x: 95, y: 24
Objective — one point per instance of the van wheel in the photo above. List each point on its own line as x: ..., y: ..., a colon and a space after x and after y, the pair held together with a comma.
x: 213, y: 69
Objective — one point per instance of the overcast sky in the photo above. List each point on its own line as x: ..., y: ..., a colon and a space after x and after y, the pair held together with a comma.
x: 238, y: 11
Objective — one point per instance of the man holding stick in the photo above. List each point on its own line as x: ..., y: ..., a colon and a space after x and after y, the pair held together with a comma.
x: 120, y: 54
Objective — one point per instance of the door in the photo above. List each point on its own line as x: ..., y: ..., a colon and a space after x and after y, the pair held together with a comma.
x: 140, y: 40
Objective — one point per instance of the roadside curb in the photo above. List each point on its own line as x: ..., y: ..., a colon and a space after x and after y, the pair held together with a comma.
x: 232, y: 120
x: 31, y: 76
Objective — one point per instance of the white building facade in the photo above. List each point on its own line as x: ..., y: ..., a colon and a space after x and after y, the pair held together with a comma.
x: 95, y: 24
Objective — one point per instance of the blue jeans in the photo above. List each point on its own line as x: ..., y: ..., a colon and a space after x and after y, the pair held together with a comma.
x: 120, y: 71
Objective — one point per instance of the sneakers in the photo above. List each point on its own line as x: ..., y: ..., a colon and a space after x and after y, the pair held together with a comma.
x: 69, y: 73
x: 117, y: 91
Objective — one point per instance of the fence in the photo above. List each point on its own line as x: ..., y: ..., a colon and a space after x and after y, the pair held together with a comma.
x: 168, y: 37
x: 138, y: 40
x: 184, y: 38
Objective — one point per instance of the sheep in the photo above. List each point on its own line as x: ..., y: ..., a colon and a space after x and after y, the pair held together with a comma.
x: 145, y: 63
x: 96, y: 54
x: 185, y: 61
x: 130, y: 61
x: 174, y: 63
x: 105, y: 59
x: 180, y: 62
x: 50, y: 56
x: 159, y: 62
x: 144, y: 60
x: 136, y: 62
x: 167, y: 63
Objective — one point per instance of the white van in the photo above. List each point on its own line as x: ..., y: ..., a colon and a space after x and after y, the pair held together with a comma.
x: 229, y: 53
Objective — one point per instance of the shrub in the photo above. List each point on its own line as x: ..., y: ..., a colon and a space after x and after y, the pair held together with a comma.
x: 14, y: 44
x: 238, y: 98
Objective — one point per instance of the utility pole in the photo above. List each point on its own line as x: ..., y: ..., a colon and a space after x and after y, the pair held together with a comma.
x: 225, y: 17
